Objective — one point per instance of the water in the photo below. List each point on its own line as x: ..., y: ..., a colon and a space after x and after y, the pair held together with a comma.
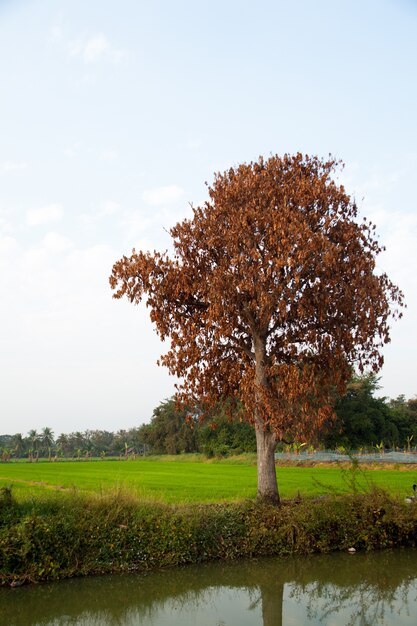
x: 332, y: 590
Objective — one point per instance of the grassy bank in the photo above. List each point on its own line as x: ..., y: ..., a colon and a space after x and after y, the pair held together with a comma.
x: 62, y: 535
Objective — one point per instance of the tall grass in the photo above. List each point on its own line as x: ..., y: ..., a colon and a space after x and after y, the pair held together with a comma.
x: 69, y: 534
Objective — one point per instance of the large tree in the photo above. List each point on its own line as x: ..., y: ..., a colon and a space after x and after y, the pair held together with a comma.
x: 269, y: 298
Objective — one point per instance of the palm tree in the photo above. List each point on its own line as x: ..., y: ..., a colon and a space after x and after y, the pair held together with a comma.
x: 62, y: 444
x: 33, y: 437
x: 5, y: 454
x: 18, y: 444
x: 47, y: 438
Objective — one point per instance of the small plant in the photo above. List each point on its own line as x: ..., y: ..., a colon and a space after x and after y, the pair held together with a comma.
x: 6, y: 498
x: 297, y: 446
x: 380, y: 447
x: 408, y: 441
x: 351, y: 476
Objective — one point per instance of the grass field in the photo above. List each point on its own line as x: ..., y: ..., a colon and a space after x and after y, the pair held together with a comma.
x: 187, y: 479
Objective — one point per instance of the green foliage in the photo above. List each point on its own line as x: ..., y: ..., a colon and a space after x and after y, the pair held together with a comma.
x: 173, y: 431
x: 220, y: 437
x: 7, y: 504
x: 362, y: 420
x: 69, y: 535
x: 404, y: 414
x: 87, y: 444
x: 169, y: 432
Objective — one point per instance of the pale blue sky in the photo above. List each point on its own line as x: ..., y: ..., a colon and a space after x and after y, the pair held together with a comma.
x: 112, y: 116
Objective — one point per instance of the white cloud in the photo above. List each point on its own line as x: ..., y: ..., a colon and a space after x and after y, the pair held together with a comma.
x: 400, y: 257
x: 163, y: 195
x: 62, y: 331
x: 55, y: 34
x: 8, y: 245
x: 106, y: 209
x: 45, y: 215
x: 12, y: 166
x: 56, y: 243
x: 96, y: 49
x: 193, y: 144
x: 5, y: 225
x: 109, y: 208
x: 72, y: 150
x: 109, y: 154
x: 90, y: 263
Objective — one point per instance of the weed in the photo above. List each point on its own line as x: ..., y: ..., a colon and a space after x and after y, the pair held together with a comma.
x: 67, y: 534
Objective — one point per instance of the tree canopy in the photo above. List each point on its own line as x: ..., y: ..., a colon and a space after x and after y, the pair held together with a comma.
x: 270, y: 297
x: 364, y: 420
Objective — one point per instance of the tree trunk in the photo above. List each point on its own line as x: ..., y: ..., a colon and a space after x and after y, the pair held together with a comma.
x: 272, y: 604
x: 267, y: 477
x: 265, y: 439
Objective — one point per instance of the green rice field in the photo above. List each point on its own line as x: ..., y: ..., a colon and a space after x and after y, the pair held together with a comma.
x: 191, y: 480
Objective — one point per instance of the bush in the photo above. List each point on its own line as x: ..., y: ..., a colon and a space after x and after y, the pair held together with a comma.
x: 62, y: 536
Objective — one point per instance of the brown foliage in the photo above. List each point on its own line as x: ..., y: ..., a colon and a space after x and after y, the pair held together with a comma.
x: 271, y: 295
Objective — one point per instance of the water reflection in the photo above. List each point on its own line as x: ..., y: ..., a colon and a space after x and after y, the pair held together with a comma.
x: 359, y: 590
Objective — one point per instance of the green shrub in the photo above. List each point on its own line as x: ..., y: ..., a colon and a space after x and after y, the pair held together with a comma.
x: 67, y: 535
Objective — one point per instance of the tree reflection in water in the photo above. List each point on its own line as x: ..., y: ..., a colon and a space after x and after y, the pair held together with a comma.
x: 359, y: 590
x: 367, y: 590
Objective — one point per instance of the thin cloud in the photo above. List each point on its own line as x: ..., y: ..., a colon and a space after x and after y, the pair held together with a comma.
x: 109, y: 208
x: 5, y: 225
x: 163, y: 195
x: 96, y: 49
x: 56, y: 243
x: 44, y: 215
x: 12, y: 166
x: 72, y: 150
x: 55, y: 34
x: 106, y: 209
x: 109, y: 154
x: 8, y: 245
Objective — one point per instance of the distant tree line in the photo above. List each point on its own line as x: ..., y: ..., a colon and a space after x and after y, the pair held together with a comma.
x: 81, y: 445
x: 172, y: 432
x: 362, y: 421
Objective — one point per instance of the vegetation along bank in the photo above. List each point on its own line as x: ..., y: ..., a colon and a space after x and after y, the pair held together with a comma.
x: 61, y: 535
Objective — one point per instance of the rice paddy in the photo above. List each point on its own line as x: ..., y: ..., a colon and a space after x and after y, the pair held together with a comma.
x: 188, y: 479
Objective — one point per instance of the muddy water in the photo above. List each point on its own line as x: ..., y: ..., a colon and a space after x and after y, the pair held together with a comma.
x: 338, y: 589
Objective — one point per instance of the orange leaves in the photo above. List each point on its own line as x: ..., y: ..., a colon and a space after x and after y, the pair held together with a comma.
x: 276, y: 257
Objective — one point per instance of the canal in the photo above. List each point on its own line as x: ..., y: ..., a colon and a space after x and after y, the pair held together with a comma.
x: 378, y: 588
